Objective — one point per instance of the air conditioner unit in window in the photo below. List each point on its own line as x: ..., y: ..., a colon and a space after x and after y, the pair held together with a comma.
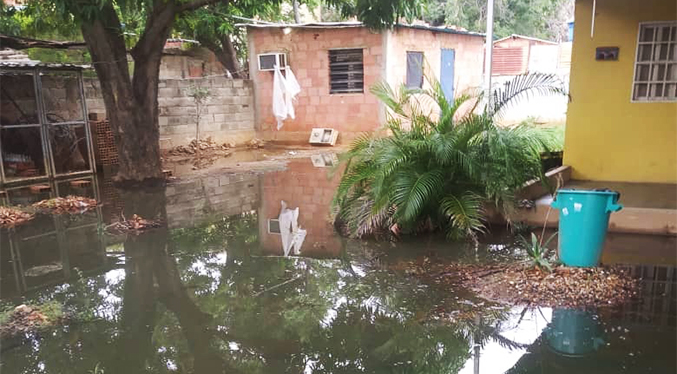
x: 324, y: 136
x: 274, y: 226
x: 267, y: 61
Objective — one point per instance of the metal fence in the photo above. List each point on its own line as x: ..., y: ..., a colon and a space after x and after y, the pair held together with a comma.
x: 44, y: 133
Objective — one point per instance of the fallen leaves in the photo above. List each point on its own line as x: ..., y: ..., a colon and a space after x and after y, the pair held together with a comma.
x: 135, y: 225
x: 10, y: 217
x: 69, y: 204
x: 24, y: 319
x: 564, y: 287
x: 519, y: 284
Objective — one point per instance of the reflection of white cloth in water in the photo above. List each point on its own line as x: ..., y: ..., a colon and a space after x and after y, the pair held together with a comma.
x: 292, y: 236
x: 285, y: 90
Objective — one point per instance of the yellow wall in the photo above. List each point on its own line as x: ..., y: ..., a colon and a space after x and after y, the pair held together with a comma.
x: 608, y: 137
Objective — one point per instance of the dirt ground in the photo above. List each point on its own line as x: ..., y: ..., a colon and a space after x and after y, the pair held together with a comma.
x: 269, y: 158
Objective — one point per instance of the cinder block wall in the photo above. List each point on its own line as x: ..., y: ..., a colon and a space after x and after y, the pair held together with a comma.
x: 308, y: 55
x: 228, y: 117
x: 193, y: 201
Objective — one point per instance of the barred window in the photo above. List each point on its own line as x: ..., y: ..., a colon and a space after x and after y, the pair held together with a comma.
x: 346, y: 71
x: 656, y: 62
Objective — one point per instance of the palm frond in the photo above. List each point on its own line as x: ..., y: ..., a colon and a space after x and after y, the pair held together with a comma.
x: 464, y: 212
x: 522, y: 87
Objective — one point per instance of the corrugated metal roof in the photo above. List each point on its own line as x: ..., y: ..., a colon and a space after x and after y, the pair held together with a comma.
x: 349, y: 24
x: 32, y: 64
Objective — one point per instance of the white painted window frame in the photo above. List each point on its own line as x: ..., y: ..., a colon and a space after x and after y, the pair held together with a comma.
x: 638, y: 43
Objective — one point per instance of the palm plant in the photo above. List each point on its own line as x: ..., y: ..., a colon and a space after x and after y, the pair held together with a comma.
x: 441, y: 162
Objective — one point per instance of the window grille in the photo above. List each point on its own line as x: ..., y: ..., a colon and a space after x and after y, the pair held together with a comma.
x: 346, y: 71
x: 656, y: 63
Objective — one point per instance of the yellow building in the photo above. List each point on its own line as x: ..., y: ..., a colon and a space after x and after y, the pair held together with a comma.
x: 622, y: 119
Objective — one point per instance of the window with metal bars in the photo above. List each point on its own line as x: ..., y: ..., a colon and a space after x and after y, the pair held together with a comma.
x: 656, y: 62
x: 346, y: 71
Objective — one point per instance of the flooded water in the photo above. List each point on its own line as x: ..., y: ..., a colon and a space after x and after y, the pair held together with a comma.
x: 213, y: 293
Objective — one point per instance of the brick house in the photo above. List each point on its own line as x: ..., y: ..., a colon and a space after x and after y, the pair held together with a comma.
x: 337, y: 63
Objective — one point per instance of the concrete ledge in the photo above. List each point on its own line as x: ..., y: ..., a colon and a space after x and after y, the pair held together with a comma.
x: 629, y: 220
x: 535, y: 189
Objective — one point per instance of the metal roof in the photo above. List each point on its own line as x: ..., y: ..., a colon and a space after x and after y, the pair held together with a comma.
x: 517, y: 36
x: 32, y: 64
x: 350, y: 24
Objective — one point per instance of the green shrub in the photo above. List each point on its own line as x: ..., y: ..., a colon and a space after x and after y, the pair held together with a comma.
x: 441, y: 161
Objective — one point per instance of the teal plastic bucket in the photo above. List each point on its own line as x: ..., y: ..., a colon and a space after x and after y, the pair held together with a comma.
x: 574, y: 333
x: 583, y: 222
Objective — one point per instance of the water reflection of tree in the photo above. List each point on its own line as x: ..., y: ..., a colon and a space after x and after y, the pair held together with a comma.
x: 213, y: 309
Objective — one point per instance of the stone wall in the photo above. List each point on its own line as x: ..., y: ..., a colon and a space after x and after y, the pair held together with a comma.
x: 228, y: 117
x: 193, y: 201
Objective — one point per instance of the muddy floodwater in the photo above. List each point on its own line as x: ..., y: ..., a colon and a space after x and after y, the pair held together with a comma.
x: 212, y: 291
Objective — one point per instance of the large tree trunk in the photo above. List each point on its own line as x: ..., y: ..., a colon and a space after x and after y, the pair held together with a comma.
x: 131, y: 104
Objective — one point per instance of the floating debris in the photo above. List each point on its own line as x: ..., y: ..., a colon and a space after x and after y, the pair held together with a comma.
x: 40, y: 270
x: 564, y: 287
x: 518, y: 284
x: 25, y: 319
x: 135, y: 225
x: 69, y: 204
x: 10, y: 217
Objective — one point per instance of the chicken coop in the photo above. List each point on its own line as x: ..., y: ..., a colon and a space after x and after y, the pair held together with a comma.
x: 44, y: 132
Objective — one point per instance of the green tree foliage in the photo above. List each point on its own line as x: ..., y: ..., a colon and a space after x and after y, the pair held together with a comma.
x: 538, y: 18
x: 214, y: 27
x: 443, y: 161
x: 131, y: 97
x: 8, y: 22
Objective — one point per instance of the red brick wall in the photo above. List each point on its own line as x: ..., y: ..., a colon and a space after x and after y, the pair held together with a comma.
x: 307, y: 54
x: 312, y: 190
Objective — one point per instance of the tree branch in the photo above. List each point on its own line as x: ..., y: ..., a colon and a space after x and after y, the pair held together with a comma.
x: 199, y: 4
x: 18, y: 43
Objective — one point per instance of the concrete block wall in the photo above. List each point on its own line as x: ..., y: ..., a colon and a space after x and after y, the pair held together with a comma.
x: 308, y: 55
x: 228, y: 116
x: 193, y: 201
x: 469, y: 55
x: 201, y: 62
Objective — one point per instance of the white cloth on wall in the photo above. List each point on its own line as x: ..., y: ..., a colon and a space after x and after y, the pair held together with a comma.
x: 291, y: 234
x: 279, y: 103
x: 293, y: 89
x: 285, y: 90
